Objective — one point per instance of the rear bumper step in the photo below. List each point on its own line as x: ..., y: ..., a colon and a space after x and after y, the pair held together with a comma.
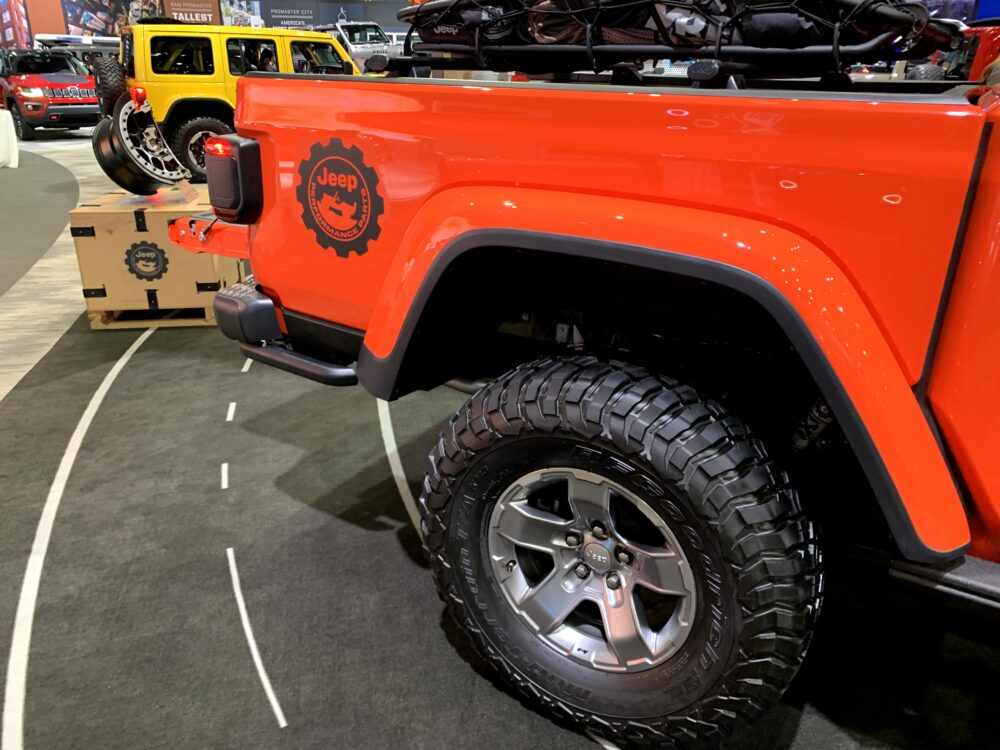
x: 974, y: 580
x: 247, y: 316
x: 299, y: 364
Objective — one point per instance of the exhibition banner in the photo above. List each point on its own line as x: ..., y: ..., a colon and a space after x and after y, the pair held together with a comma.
x: 194, y: 11
x: 106, y: 17
x: 246, y: 13
x: 291, y: 14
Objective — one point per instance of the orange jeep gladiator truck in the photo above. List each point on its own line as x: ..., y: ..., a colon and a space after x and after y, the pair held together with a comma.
x: 724, y: 332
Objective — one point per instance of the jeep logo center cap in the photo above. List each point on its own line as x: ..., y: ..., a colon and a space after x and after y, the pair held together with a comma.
x: 597, y: 557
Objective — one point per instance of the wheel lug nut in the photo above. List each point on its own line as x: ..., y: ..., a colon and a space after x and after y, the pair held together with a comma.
x: 573, y: 540
x: 624, y: 557
x: 599, y: 531
x: 614, y: 581
x: 511, y: 565
x: 581, y: 570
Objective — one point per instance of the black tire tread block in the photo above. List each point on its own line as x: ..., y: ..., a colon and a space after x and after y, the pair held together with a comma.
x: 925, y: 72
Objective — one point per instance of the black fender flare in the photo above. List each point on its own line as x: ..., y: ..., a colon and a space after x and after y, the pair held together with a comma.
x: 379, y: 376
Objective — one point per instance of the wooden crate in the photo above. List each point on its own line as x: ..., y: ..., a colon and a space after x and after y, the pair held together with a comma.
x: 132, y: 275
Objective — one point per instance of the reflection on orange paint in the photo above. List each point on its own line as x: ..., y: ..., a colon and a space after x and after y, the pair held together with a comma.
x: 829, y: 201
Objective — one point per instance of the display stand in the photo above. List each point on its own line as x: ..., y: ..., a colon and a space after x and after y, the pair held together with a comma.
x: 8, y: 140
x: 132, y: 275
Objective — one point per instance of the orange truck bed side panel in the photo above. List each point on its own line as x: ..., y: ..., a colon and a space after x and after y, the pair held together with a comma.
x: 964, y: 388
x: 826, y: 199
x: 849, y: 175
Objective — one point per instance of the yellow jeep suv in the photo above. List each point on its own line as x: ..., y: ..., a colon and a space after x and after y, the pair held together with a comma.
x: 189, y: 73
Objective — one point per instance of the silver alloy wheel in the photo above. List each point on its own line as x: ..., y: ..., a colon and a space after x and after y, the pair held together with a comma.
x: 595, y: 561
x: 196, y: 146
x: 146, y: 145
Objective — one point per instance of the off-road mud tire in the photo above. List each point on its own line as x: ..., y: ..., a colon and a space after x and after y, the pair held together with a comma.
x: 109, y: 80
x: 182, y: 135
x: 754, y: 553
x: 926, y: 72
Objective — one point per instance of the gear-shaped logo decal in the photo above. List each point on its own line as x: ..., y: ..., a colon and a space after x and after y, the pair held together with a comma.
x: 147, y: 261
x: 339, y: 196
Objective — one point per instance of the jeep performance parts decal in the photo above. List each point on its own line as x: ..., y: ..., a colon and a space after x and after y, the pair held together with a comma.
x: 147, y: 261
x: 339, y: 198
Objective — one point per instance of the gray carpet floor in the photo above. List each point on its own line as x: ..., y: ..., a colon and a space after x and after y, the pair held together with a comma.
x: 36, y: 198
x: 137, y: 639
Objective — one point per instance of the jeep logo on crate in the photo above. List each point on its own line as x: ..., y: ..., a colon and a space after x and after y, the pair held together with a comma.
x: 339, y: 198
x: 146, y: 260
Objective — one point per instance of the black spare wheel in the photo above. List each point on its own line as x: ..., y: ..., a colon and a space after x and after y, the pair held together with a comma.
x: 109, y: 80
x: 136, y: 130
x: 116, y: 163
x: 621, y: 551
x: 926, y: 72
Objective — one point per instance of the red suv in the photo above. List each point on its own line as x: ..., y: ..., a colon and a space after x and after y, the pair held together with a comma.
x: 46, y: 89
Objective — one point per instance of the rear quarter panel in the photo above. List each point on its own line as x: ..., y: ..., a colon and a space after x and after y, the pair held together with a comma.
x: 851, y: 176
x: 828, y: 199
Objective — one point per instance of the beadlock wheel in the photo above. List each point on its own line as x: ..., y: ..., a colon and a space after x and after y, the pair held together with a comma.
x: 144, y: 144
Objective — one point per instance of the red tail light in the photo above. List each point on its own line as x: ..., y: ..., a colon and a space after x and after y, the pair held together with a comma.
x: 235, y: 188
x: 138, y: 94
x: 218, y: 147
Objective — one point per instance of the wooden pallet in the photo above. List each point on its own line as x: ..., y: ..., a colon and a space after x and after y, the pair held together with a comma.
x: 183, y: 318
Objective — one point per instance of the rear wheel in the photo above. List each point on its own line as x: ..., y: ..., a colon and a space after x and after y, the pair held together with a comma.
x: 621, y: 551
x: 24, y: 131
x: 188, y: 143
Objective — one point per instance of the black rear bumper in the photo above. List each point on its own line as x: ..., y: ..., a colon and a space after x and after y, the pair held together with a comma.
x: 248, y: 316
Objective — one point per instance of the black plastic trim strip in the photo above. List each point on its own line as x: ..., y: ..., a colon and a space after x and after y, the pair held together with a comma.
x: 974, y: 580
x: 379, y: 375
x: 202, y: 100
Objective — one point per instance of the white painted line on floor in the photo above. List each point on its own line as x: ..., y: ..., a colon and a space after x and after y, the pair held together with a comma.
x: 20, y: 644
x: 246, y: 365
x: 254, y: 653
x: 601, y: 741
x: 225, y: 476
x: 232, y: 410
x: 392, y: 453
